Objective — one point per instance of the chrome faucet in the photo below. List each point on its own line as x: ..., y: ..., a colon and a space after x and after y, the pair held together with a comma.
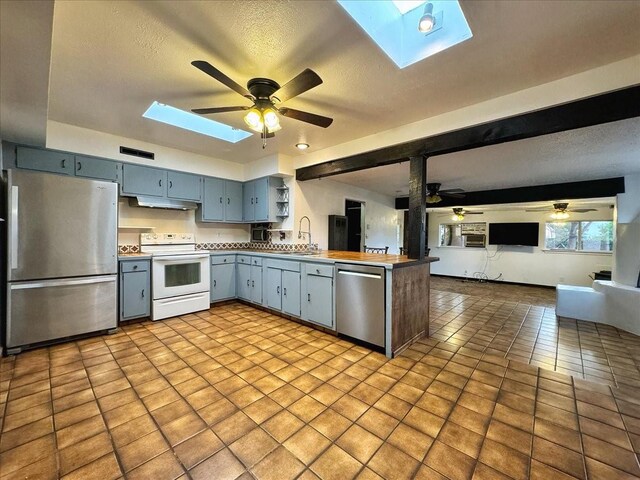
x: 300, y: 232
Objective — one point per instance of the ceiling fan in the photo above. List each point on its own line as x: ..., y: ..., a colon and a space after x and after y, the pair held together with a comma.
x: 434, y: 194
x: 459, y: 214
x: 560, y: 210
x: 266, y: 95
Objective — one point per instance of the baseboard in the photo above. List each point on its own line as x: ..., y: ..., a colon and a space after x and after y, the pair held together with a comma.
x: 473, y: 280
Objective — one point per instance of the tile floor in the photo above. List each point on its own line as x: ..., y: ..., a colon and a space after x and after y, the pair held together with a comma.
x: 519, y: 323
x: 238, y: 393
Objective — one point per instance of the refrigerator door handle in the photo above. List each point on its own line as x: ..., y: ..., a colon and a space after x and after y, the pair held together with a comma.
x: 14, y: 227
x: 62, y: 283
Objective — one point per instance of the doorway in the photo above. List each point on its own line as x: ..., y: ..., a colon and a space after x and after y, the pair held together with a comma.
x: 354, y: 211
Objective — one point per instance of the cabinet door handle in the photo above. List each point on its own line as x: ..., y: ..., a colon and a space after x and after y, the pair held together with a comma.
x: 225, y: 260
x: 284, y: 290
x: 256, y: 200
x: 248, y: 283
x: 62, y: 163
x: 318, y: 271
x: 220, y: 199
x: 278, y: 289
x: 251, y: 200
x: 160, y: 182
x: 253, y: 284
x: 170, y: 184
x: 214, y: 284
x: 79, y: 165
x: 135, y: 267
x: 308, y: 297
x: 143, y: 293
x: 228, y: 200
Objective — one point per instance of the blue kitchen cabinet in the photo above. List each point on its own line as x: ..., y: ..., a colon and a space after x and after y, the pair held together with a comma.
x: 223, y: 277
x: 291, y: 293
x: 256, y: 280
x: 233, y: 206
x: 243, y: 271
x: 184, y: 186
x: 248, y: 199
x: 45, y: 160
x: 135, y: 289
x: 213, y: 200
x: 274, y: 288
x: 141, y: 180
x: 261, y: 200
x: 96, y: 168
x: 317, y: 294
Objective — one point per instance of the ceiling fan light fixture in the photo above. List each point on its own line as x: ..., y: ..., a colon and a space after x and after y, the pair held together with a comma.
x: 271, y: 119
x: 427, y: 21
x: 254, y: 120
x: 561, y: 215
x: 434, y: 198
x: 457, y: 217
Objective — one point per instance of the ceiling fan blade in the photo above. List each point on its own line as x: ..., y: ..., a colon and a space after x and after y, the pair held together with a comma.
x: 451, y: 194
x: 311, y: 118
x: 474, y: 213
x: 539, y: 209
x: 300, y: 84
x: 452, y: 190
x: 582, y: 210
x: 205, y: 111
x: 212, y: 71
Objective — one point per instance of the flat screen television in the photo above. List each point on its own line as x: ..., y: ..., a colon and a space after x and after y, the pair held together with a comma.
x: 523, y: 233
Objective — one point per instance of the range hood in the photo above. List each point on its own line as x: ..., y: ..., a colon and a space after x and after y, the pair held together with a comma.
x: 166, y: 203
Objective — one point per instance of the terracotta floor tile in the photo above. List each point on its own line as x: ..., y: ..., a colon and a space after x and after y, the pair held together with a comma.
x: 617, y: 457
x: 128, y: 432
x: 426, y: 422
x: 597, y: 469
x: 504, y: 459
x: 31, y: 431
x: 282, y: 425
x: 141, y: 450
x: 336, y: 464
x: 79, y: 432
x: 306, y: 444
x: 510, y: 436
x: 331, y: 424
x: 233, y: 427
x: 350, y: 407
x: 566, y: 437
x: 164, y: 466
x: 84, y: 452
x: 182, y: 428
x: 449, y: 461
x: 253, y: 447
x: 541, y: 471
x: 410, y: 441
x: 24, y: 417
x: 278, y: 465
x: 461, y: 439
x: 25, y: 454
x: 558, y: 457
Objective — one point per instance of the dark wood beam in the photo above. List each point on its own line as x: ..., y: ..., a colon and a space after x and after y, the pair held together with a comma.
x: 607, y: 107
x: 417, y: 207
x: 608, y: 187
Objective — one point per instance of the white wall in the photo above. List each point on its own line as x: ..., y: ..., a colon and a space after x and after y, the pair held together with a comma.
x: 627, y: 249
x: 320, y: 198
x: 531, y: 265
x: 63, y: 136
x: 175, y: 221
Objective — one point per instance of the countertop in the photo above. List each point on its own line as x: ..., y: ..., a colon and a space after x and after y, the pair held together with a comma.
x: 324, y: 256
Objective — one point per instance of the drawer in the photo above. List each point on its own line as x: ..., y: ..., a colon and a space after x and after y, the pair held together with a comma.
x: 283, y: 264
x: 222, y: 259
x: 256, y: 261
x: 244, y: 259
x: 320, y: 270
x: 139, y: 266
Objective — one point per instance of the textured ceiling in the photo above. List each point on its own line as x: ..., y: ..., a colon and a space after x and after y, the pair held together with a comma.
x: 110, y: 60
x: 601, y: 151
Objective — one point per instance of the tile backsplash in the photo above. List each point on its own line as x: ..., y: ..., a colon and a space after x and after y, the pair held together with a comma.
x: 284, y: 247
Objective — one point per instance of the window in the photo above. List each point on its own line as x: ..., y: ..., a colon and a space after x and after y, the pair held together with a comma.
x: 462, y: 235
x: 593, y: 236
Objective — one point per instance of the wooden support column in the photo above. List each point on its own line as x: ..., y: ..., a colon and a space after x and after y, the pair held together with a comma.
x: 417, y: 206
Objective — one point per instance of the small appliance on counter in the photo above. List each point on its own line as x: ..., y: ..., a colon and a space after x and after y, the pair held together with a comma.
x: 180, y: 278
x: 62, y: 258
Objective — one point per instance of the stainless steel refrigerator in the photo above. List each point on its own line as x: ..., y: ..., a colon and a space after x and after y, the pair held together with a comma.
x: 62, y: 257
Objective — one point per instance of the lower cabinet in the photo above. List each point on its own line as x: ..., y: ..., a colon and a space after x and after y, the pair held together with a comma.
x: 317, y: 294
x: 283, y: 286
x: 135, y: 289
x: 249, y: 272
x: 223, y: 277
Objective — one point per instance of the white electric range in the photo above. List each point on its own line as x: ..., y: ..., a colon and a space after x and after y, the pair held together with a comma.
x: 180, y: 278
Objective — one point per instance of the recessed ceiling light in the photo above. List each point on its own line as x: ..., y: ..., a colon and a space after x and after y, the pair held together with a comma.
x: 302, y: 146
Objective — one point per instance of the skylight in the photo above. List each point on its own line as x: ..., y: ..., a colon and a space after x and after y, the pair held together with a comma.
x: 393, y: 25
x: 195, y: 123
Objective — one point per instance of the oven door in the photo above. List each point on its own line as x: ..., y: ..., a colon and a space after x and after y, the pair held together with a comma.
x: 176, y: 275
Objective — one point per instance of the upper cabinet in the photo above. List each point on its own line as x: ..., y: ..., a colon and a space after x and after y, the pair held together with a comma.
x: 141, y: 180
x: 260, y: 200
x: 213, y: 201
x: 184, y: 186
x: 45, y: 160
x: 233, y: 205
x: 90, y: 167
x: 155, y: 182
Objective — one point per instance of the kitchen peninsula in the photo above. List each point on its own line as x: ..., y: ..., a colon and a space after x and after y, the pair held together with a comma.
x: 306, y: 286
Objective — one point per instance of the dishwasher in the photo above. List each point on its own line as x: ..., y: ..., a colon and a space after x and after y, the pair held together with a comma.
x: 360, y: 302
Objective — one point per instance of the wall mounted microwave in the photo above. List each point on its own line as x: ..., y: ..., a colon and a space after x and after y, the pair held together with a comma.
x: 259, y: 233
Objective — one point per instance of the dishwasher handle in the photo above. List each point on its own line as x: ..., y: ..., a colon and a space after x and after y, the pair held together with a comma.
x: 358, y: 274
